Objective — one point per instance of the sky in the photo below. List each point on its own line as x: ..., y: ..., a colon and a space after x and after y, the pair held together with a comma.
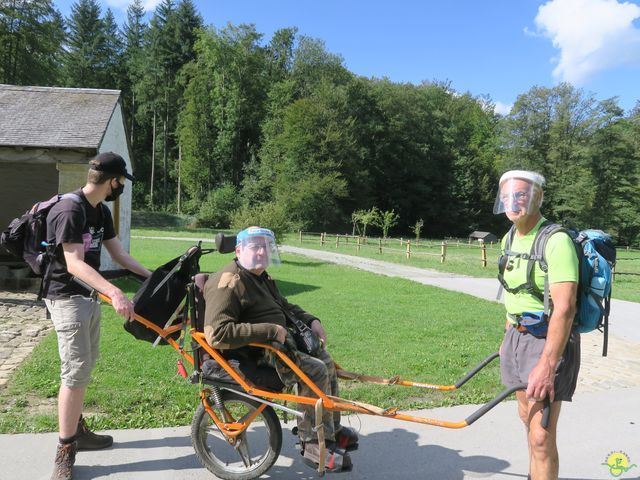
x: 494, y: 48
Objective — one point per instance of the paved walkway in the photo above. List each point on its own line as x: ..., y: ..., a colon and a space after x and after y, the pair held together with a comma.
x: 22, y: 323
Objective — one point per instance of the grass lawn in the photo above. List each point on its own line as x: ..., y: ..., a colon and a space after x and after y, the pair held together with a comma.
x: 376, y: 325
x: 461, y: 258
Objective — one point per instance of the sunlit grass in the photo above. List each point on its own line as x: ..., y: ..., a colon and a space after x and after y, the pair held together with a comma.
x: 376, y: 325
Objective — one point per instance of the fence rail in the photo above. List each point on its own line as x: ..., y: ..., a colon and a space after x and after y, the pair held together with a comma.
x: 444, y: 249
x: 408, y: 247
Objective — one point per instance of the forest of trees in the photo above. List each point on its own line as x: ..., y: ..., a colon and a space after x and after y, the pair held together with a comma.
x: 235, y: 129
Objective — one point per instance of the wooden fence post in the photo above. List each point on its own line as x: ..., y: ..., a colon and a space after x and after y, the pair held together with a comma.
x: 443, y: 251
x: 613, y: 273
x: 337, y: 240
x: 408, y: 248
x: 322, y: 239
x: 300, y: 234
x: 484, y: 255
x: 380, y: 246
x: 358, y: 244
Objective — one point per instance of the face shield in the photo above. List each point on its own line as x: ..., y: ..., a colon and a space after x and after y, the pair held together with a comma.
x: 256, y: 248
x: 520, y: 192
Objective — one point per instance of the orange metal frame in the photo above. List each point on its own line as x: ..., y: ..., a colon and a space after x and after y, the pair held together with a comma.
x: 236, y: 427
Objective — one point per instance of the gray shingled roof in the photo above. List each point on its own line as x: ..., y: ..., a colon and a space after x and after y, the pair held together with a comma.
x: 54, y: 117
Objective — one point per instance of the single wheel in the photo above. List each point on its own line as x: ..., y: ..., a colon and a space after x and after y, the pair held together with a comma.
x: 255, y: 450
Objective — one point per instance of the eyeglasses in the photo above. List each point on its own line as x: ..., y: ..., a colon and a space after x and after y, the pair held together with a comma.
x: 255, y: 246
x: 516, y: 196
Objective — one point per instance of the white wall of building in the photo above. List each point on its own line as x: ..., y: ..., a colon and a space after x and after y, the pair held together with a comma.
x: 115, y: 140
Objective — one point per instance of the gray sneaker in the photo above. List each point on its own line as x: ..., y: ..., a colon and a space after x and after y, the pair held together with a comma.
x: 87, y: 440
x: 63, y: 464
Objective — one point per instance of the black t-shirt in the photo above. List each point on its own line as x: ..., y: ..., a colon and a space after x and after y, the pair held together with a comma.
x: 70, y: 221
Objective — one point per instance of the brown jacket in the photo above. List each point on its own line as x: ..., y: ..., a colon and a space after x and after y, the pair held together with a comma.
x: 242, y: 308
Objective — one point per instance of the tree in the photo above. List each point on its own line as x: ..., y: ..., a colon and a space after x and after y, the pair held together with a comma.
x: 417, y: 228
x: 217, y: 210
x: 415, y: 152
x: 386, y: 220
x: 224, y: 107
x: 31, y: 36
x: 86, y: 49
x: 280, y: 53
x: 134, y: 33
x: 548, y: 130
x: 365, y: 218
x: 615, y: 165
x: 170, y: 46
x: 112, y: 52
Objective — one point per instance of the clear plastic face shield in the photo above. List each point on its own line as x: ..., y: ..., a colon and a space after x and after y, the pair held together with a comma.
x: 256, y: 248
x: 520, y: 192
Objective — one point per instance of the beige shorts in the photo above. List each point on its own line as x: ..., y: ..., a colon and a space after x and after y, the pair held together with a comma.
x: 77, y: 323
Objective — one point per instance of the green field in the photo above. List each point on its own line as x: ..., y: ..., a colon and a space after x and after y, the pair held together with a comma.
x: 461, y: 258
x: 376, y: 325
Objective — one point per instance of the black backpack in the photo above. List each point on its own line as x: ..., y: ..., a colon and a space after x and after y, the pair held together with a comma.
x: 26, y: 236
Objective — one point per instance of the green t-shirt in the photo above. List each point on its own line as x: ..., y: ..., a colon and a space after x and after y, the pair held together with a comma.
x: 562, y: 263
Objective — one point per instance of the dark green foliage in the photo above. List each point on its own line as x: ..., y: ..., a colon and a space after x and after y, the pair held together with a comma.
x: 31, y: 37
x: 215, y: 212
x: 304, y: 143
x: 587, y: 151
x: 85, y: 62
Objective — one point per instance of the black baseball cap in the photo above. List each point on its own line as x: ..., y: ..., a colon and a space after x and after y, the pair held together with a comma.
x: 110, y: 162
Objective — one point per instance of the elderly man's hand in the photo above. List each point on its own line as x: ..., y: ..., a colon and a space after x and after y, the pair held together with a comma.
x: 281, y: 336
x: 541, y: 381
x: 318, y: 329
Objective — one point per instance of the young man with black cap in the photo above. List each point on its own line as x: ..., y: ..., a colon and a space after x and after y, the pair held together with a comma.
x: 79, y: 225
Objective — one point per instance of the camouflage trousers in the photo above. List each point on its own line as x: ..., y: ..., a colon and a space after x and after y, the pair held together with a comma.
x: 322, y: 371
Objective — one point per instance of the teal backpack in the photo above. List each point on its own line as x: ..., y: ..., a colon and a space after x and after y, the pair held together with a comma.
x: 596, y: 259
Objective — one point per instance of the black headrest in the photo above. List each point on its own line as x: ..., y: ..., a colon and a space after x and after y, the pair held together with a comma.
x: 225, y: 243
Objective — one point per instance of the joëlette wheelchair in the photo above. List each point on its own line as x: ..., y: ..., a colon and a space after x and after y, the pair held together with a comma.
x: 235, y: 431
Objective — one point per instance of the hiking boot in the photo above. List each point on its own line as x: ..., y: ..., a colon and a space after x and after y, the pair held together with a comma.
x: 63, y: 464
x: 87, y: 440
x: 336, y: 459
x: 347, y: 439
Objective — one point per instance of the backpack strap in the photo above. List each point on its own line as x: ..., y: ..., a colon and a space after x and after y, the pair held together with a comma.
x: 502, y: 262
x: 50, y: 249
x: 539, y: 246
x: 531, y: 257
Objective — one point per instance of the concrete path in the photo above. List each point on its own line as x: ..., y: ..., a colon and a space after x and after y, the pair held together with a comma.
x: 593, y: 427
x: 604, y: 419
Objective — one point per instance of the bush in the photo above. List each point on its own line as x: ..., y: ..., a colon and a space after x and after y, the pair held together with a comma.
x: 268, y: 215
x: 160, y: 219
x: 215, y: 212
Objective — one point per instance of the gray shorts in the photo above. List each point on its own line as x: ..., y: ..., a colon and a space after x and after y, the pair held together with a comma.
x: 77, y: 323
x: 520, y: 352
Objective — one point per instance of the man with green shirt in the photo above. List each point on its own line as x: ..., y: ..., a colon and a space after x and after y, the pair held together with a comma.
x: 539, y: 350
